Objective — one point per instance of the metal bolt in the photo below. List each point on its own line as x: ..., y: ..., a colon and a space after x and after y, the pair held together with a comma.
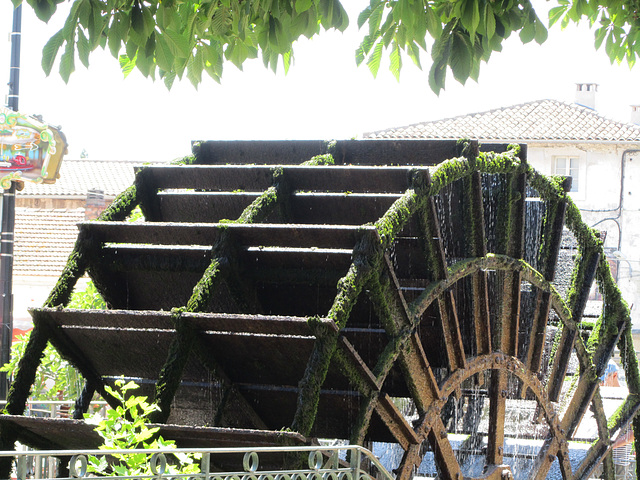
x: 503, y: 393
x: 551, y: 458
x: 443, y: 434
x: 500, y: 450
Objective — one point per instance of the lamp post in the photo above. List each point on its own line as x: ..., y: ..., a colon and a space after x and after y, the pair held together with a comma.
x: 8, y: 215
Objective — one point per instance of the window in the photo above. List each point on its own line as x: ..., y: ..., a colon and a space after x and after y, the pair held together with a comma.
x: 569, y: 167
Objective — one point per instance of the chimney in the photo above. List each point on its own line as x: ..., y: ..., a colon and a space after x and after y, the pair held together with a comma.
x: 95, y: 204
x: 635, y: 114
x: 586, y: 94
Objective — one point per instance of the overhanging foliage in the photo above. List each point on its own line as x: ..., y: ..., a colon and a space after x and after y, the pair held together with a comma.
x: 173, y: 38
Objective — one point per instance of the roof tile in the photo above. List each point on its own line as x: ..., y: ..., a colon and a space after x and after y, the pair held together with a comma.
x: 540, y: 120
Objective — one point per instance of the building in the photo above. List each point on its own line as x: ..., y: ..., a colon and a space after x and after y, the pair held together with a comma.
x: 46, y: 226
x: 601, y: 155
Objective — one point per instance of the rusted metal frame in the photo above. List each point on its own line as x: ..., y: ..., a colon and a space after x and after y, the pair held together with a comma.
x: 478, y: 248
x: 434, y: 250
x: 583, y: 279
x: 552, y: 237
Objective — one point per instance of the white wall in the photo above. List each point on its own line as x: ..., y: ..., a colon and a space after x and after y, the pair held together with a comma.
x: 600, y: 186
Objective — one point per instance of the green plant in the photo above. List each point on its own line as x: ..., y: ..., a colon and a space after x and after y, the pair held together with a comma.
x: 124, y: 428
x: 88, y: 299
x: 55, y: 378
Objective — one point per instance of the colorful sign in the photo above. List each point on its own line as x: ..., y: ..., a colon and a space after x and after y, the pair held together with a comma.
x: 30, y: 150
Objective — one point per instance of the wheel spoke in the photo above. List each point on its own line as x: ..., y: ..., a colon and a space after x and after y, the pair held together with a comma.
x: 497, y: 410
x: 477, y: 247
x: 434, y: 249
x: 583, y: 279
x: 395, y: 422
x: 552, y: 238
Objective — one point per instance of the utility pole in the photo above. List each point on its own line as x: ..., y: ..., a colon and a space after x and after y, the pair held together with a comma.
x: 8, y: 216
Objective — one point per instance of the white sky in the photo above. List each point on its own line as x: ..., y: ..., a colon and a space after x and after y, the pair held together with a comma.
x: 324, y: 96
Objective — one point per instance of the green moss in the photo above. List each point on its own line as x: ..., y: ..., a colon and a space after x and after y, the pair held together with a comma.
x: 260, y: 207
x: 171, y: 373
x: 395, y: 219
x: 206, y: 287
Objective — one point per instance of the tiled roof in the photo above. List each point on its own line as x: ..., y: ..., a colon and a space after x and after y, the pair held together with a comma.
x: 542, y: 120
x: 43, y: 240
x: 78, y: 176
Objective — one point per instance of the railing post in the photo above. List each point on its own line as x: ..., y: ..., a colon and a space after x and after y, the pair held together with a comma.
x: 21, y: 467
x: 205, y: 466
x: 355, y: 462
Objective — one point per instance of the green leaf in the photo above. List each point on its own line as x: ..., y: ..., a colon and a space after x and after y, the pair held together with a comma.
x: 303, y: 5
x: 195, y: 66
x: 164, y: 55
x: 528, y: 32
x: 83, y: 48
x: 168, y: 78
x: 490, y: 21
x: 364, y: 16
x: 287, y: 60
x: 541, y: 33
x: 126, y: 64
x: 471, y: 17
x: 375, y: 18
x: 50, y: 51
x: 374, y: 59
x: 600, y: 35
x: 365, y: 47
x: 395, y: 61
x: 556, y: 14
x: 178, y: 43
x: 67, y: 62
x: 461, y: 57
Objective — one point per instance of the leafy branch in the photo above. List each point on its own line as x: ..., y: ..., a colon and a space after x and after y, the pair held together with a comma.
x: 173, y: 38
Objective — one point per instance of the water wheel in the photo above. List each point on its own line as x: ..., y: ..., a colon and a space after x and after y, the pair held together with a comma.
x: 426, y: 299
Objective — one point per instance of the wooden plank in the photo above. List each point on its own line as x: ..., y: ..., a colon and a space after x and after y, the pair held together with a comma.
x: 207, y: 234
x: 347, y: 152
x: 305, y: 207
x: 268, y: 152
x: 341, y: 208
x: 68, y: 434
x: 195, y: 207
x: 137, y: 319
x: 252, y: 178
